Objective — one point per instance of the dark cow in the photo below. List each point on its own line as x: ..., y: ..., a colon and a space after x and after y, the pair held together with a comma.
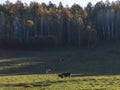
x: 63, y: 75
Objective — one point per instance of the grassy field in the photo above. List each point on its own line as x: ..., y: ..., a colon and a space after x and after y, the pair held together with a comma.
x: 92, y: 69
x: 52, y: 82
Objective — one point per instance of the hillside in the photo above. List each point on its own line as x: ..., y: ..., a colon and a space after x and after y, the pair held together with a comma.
x: 92, y: 69
x: 100, y: 60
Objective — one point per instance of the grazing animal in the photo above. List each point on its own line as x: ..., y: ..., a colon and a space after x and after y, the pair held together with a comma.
x: 64, y: 75
x: 48, y: 70
x: 61, y: 59
x: 60, y: 75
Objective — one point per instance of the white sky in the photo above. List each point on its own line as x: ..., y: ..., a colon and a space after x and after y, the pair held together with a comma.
x: 64, y: 2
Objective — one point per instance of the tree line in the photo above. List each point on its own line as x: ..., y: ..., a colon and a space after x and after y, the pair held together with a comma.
x: 47, y: 25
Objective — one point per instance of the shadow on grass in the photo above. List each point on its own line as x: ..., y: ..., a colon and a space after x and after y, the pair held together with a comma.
x: 48, y: 83
x: 36, y: 65
x: 35, y: 84
x: 94, y: 74
x: 25, y: 85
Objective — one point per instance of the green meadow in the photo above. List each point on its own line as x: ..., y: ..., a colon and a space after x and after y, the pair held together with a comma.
x: 91, y: 69
x: 52, y: 82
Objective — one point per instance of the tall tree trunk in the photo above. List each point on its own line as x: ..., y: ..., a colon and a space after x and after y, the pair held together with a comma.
x: 42, y: 26
x: 68, y: 32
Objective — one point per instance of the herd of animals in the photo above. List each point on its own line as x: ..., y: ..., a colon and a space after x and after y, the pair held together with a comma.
x: 64, y: 75
x: 61, y: 75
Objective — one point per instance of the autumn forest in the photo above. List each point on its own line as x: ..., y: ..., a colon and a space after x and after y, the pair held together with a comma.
x: 48, y: 25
